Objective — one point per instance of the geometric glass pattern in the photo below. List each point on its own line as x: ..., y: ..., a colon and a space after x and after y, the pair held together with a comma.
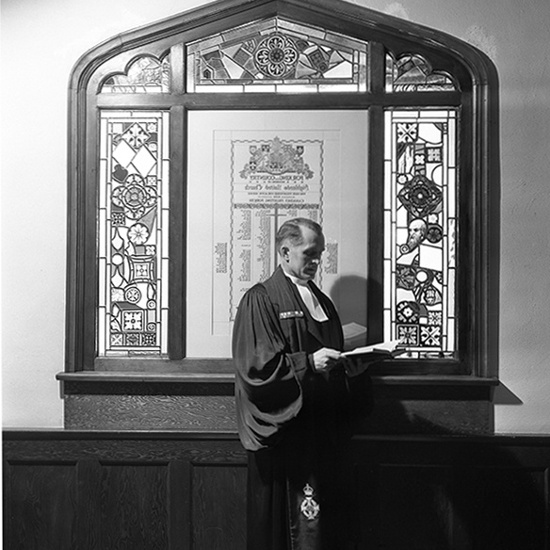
x: 420, y: 224
x: 144, y: 75
x: 412, y: 73
x: 133, y: 233
x: 275, y: 55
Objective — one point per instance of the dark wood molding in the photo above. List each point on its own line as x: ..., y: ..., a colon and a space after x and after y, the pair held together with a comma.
x: 62, y: 434
x: 117, y: 383
x: 215, y: 379
x: 258, y: 101
x: 375, y: 252
x: 177, y: 229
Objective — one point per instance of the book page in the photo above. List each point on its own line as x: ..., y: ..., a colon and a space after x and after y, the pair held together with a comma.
x: 388, y: 348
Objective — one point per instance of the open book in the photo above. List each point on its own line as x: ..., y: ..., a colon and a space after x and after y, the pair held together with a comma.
x: 378, y: 352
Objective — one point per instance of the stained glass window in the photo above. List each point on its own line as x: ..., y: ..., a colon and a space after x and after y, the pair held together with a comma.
x: 274, y: 56
x: 412, y: 73
x: 421, y: 90
x: 133, y: 233
x: 144, y: 75
x: 421, y: 230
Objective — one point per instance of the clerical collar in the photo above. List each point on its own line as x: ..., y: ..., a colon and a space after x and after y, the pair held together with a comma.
x: 296, y: 280
x: 310, y: 300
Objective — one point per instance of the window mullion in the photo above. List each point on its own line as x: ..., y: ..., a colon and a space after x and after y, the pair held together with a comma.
x: 377, y: 67
x: 89, y: 258
x: 178, y: 222
x: 375, y: 252
x: 177, y: 85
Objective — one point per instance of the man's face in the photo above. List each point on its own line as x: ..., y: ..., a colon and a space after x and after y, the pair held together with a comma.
x: 417, y: 233
x: 302, y: 260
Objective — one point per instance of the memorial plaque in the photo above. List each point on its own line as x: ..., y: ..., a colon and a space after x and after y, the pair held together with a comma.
x: 248, y: 173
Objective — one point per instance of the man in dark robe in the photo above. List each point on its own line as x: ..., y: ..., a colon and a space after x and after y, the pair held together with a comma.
x: 296, y: 398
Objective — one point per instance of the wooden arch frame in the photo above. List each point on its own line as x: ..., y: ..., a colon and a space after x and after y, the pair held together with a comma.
x: 479, y: 134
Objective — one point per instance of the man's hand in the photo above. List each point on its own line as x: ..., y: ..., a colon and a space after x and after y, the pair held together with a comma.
x: 325, y: 359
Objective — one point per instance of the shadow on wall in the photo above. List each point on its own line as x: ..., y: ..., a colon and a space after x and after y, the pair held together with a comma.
x: 349, y: 294
x: 504, y: 396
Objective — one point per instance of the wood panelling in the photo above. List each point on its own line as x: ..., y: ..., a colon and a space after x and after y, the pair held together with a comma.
x: 169, y: 490
x: 42, y: 505
x: 89, y: 494
x: 216, y: 492
x: 455, y: 493
x: 134, y: 506
x: 198, y: 402
x: 415, y: 499
x: 503, y: 507
x: 429, y: 416
x: 123, y: 490
x: 150, y: 412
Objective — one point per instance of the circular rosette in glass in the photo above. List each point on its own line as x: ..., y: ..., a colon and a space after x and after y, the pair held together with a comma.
x: 276, y: 56
x: 135, y: 197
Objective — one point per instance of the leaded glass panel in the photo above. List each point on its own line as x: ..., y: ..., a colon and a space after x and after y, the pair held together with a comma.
x: 276, y: 55
x: 413, y: 73
x: 145, y: 74
x: 133, y: 233
x: 420, y: 208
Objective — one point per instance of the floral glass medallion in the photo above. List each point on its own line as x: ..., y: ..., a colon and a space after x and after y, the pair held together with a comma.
x: 133, y: 233
x: 421, y: 231
x: 276, y: 55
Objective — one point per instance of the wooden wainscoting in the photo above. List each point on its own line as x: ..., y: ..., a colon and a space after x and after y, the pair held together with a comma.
x: 167, y: 491
x: 113, y: 490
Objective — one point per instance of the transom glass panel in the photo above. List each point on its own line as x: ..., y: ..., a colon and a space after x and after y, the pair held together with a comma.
x: 276, y: 55
x: 420, y: 209
x: 146, y: 74
x: 133, y: 233
x: 413, y: 73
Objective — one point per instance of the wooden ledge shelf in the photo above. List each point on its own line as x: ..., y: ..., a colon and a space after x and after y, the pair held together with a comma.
x: 110, y: 400
x: 202, y: 383
x: 224, y: 377
x: 187, y: 377
x: 140, y: 383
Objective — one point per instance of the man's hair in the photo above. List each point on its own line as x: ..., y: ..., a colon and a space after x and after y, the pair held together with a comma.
x: 292, y: 230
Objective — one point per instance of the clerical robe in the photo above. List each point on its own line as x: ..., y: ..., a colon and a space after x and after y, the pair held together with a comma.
x: 295, y: 422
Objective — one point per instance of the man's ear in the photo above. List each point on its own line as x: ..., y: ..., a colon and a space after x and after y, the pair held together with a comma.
x: 285, y: 252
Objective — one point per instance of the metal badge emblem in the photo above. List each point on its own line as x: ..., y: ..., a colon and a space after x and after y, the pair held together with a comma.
x: 290, y: 314
x: 309, y: 507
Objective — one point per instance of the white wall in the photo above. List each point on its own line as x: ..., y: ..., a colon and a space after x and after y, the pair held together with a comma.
x: 41, y: 41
